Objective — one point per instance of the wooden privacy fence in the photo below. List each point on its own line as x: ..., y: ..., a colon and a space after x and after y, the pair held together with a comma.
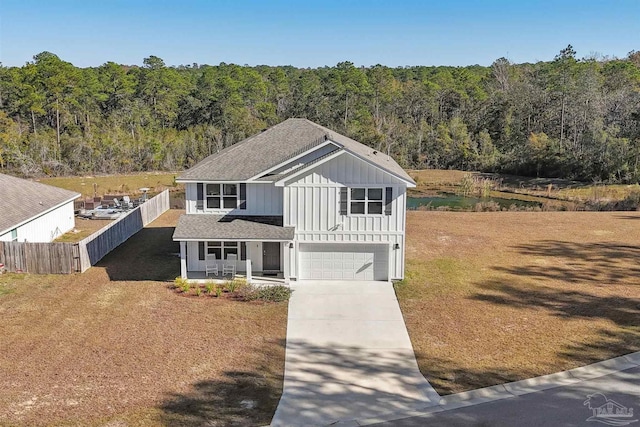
x: 93, y: 248
x: 66, y: 258
x: 40, y: 258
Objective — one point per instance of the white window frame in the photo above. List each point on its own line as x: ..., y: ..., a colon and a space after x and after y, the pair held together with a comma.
x: 225, y: 248
x: 221, y: 196
x: 366, y: 201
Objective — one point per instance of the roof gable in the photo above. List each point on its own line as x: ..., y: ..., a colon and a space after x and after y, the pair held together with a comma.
x: 264, y: 151
x: 343, y: 168
x: 258, y: 153
x: 22, y: 200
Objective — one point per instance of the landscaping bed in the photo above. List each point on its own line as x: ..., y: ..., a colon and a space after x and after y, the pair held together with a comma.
x: 116, y: 346
x: 502, y: 296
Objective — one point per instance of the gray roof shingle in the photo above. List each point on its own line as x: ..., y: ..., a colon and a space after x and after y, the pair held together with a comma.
x: 223, y: 227
x: 277, y: 144
x: 21, y: 199
x: 258, y: 153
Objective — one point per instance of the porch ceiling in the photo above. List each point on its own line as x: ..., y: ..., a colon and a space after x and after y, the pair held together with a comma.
x: 223, y: 227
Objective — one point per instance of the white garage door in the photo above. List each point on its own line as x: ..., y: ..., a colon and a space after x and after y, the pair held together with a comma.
x: 340, y: 261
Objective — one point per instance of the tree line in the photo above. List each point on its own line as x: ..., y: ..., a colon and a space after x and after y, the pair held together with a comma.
x: 568, y: 117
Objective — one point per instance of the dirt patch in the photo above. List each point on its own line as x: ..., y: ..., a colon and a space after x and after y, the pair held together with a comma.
x: 497, y: 297
x: 115, y: 346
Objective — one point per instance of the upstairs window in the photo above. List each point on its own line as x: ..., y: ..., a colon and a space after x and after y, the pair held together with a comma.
x: 14, y: 235
x: 366, y: 201
x: 222, y: 196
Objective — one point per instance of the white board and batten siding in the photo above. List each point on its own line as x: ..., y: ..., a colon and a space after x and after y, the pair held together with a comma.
x: 46, y: 227
x: 312, y: 205
x: 262, y: 199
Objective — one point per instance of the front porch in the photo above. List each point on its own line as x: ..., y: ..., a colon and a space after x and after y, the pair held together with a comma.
x: 256, y: 278
x: 221, y: 247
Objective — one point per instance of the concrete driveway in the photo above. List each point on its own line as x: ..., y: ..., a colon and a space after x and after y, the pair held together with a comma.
x: 348, y: 356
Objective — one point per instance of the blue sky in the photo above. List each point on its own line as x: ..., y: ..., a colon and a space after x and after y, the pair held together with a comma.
x: 314, y: 33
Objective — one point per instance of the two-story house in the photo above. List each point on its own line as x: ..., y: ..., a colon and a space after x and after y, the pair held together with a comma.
x: 298, y: 201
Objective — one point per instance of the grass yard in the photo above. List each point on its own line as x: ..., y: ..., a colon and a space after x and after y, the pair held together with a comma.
x: 116, y: 184
x: 115, y: 346
x: 495, y: 297
x: 83, y: 228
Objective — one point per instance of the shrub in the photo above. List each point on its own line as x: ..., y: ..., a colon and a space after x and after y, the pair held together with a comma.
x: 210, y: 287
x: 276, y: 293
x: 235, y: 284
x: 218, y: 291
x: 198, y: 291
x: 179, y: 282
x: 185, y: 287
x: 466, y: 186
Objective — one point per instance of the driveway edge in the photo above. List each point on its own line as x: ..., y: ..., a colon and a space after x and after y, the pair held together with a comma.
x: 512, y: 389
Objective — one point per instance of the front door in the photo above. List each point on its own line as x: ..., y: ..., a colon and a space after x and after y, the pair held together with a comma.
x: 270, y: 256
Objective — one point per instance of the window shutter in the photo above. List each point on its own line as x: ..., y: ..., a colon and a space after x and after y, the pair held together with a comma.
x: 343, y: 200
x: 200, y: 197
x: 243, y: 251
x: 201, y: 251
x: 388, y: 200
x: 243, y: 196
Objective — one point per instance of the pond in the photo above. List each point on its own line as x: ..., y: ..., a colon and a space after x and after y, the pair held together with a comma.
x: 456, y: 202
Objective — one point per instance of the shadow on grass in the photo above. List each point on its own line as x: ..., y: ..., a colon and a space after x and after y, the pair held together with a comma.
x: 617, y: 344
x: 636, y: 217
x: 447, y: 377
x: 584, y: 271
x: 580, y: 263
x: 316, y: 393
x: 623, y: 311
x: 239, y: 398
x: 150, y: 254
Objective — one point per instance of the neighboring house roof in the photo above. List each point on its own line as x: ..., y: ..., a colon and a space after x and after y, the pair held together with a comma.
x: 276, y: 145
x: 222, y: 227
x: 22, y: 200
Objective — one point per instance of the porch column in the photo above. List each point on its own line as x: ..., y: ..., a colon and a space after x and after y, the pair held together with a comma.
x: 287, y: 261
x: 183, y: 259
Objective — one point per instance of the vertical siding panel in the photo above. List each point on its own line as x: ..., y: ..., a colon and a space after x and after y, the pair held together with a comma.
x: 315, y: 210
x: 324, y: 211
x: 308, y: 204
x: 293, y: 205
x: 300, y: 208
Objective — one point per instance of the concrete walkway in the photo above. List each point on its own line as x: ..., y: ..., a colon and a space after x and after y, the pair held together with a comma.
x: 348, y: 356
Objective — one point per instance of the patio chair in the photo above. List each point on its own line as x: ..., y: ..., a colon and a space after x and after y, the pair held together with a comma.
x: 126, y: 202
x: 116, y: 203
x: 229, y: 266
x: 211, y: 266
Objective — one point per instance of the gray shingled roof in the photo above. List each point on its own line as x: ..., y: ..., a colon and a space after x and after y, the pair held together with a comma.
x: 21, y: 200
x: 277, y: 144
x: 376, y: 157
x: 258, y: 153
x: 223, y: 227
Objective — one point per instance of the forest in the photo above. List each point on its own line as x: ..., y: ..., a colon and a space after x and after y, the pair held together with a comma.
x: 569, y: 117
